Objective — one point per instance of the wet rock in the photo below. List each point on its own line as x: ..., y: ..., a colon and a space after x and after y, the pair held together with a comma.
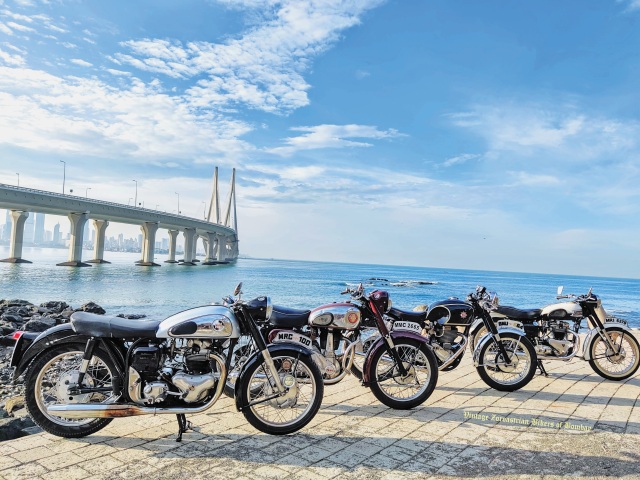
x: 39, y: 325
x: 67, y: 313
x: 55, y: 307
x: 92, y: 307
x: 20, y: 311
x: 11, y: 428
x: 12, y: 317
x: 131, y: 316
x: 15, y: 303
x: 7, y: 328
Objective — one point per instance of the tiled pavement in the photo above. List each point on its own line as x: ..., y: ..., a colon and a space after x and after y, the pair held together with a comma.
x: 572, y: 423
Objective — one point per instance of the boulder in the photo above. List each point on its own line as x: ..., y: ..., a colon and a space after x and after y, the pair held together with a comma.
x: 7, y: 328
x: 16, y: 303
x: 11, y: 428
x: 92, y: 308
x: 39, y: 325
x: 55, y: 307
x: 131, y: 316
x: 21, y: 311
x: 14, y: 403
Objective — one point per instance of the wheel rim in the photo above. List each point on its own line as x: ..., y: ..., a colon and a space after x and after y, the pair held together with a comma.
x: 409, y: 387
x: 620, y: 361
x: 288, y: 409
x: 507, y: 373
x: 50, y: 385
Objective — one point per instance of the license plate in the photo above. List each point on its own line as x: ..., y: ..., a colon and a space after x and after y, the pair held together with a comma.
x: 292, y: 337
x: 619, y: 321
x: 410, y: 326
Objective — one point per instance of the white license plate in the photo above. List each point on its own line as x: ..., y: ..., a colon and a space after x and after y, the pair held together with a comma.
x: 410, y: 326
x: 617, y: 320
x: 292, y: 337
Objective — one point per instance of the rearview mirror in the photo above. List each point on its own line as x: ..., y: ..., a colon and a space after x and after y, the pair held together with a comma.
x: 560, y: 289
x: 238, y: 289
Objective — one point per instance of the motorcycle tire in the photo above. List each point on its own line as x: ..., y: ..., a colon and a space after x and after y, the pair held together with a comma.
x: 300, y: 403
x: 389, y: 388
x: 489, y: 352
x: 605, y: 364
x: 47, y: 373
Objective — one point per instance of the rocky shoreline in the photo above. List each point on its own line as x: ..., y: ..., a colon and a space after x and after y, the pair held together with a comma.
x: 22, y: 315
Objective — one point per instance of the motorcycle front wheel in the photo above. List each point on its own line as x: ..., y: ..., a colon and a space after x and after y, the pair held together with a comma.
x: 289, y: 412
x: 621, y: 362
x: 514, y: 374
x: 47, y: 380
x: 404, y: 392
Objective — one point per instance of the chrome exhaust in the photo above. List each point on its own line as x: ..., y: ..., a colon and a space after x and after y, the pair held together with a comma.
x: 455, y: 355
x: 84, y: 410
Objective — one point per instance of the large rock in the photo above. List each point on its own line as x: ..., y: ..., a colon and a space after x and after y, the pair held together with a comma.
x: 131, y: 316
x: 7, y: 328
x: 55, y: 307
x: 12, y: 317
x: 91, y: 308
x: 15, y: 303
x: 11, y: 428
x: 21, y: 311
x: 39, y: 324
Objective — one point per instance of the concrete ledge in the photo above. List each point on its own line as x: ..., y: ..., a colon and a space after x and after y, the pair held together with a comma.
x: 171, y: 261
x: 190, y: 264
x: 15, y: 260
x: 148, y: 264
x: 73, y: 264
x: 100, y: 261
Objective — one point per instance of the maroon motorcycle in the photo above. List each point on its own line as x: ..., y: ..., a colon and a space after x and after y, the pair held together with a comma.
x: 399, y: 367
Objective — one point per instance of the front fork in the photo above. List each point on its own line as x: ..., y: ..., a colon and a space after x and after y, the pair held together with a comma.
x: 495, y: 338
x: 391, y: 349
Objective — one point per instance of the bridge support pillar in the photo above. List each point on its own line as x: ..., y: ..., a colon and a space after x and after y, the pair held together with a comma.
x: 18, y: 218
x: 189, y: 244
x: 173, y: 241
x: 75, y: 243
x: 221, y: 248
x: 149, y: 230
x: 209, y: 244
x: 100, y: 227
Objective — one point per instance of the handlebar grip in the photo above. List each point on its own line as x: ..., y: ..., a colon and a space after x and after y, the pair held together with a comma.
x: 345, y: 292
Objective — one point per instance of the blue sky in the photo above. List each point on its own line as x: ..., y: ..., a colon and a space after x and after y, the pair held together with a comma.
x: 462, y: 134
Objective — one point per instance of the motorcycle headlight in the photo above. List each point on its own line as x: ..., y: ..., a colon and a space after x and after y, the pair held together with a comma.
x: 269, y: 309
x: 389, y: 305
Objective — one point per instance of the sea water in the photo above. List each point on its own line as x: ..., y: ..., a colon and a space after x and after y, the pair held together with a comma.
x: 123, y: 287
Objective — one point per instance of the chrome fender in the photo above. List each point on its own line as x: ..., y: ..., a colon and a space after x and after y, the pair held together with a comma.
x: 475, y: 326
x: 380, y: 343
x: 487, y: 338
x: 586, y: 347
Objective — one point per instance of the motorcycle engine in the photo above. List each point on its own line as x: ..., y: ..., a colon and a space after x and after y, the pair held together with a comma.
x: 182, y: 371
x: 445, y: 344
x: 557, y: 339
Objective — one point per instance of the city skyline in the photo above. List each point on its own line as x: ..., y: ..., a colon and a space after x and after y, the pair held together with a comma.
x: 474, y: 135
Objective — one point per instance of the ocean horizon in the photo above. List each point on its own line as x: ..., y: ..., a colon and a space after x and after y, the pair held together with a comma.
x: 123, y: 287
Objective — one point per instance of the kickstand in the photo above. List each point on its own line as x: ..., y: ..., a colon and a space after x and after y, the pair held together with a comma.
x: 183, y: 425
x: 542, y: 369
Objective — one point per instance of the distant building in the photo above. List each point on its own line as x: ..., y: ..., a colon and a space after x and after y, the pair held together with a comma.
x: 29, y: 229
x: 39, y: 237
x: 57, y: 236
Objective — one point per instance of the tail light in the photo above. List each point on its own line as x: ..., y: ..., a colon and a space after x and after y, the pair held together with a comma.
x: 17, y: 334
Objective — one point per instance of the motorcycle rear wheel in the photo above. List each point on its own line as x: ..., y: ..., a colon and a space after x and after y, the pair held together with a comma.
x: 614, y: 366
x: 45, y: 382
x: 496, y: 372
x: 390, y: 388
x: 287, y: 413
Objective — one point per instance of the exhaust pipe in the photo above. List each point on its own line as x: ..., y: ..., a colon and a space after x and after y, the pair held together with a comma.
x: 98, y: 410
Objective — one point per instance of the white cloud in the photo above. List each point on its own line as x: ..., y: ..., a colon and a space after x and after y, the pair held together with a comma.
x: 535, y: 180
x: 459, y: 159
x: 526, y: 129
x: 86, y: 116
x: 631, y: 4
x: 332, y: 136
x: 19, y: 27
x: 12, y: 60
x: 5, y: 29
x: 80, y: 62
x: 261, y: 69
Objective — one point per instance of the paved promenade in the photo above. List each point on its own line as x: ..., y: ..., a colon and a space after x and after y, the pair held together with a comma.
x: 571, y: 423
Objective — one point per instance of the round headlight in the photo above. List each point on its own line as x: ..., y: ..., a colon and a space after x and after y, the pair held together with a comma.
x: 269, y: 310
x: 389, y: 304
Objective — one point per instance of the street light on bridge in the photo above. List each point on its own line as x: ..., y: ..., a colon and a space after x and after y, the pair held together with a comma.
x: 178, y: 202
x: 86, y: 192
x: 135, y: 203
x: 64, y: 173
x: 18, y: 178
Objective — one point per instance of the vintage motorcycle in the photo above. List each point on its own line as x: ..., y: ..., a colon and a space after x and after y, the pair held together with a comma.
x: 610, y: 347
x: 81, y: 375
x: 399, y: 367
x: 505, y: 359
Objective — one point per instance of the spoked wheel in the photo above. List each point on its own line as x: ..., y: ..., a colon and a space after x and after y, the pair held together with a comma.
x: 277, y: 414
x: 618, y: 363
x: 47, y: 382
x: 404, y: 391
x: 512, y: 374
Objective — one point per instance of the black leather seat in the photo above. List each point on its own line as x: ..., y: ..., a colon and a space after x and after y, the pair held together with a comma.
x: 517, y: 314
x: 94, y: 325
x: 418, y: 317
x: 285, y: 317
